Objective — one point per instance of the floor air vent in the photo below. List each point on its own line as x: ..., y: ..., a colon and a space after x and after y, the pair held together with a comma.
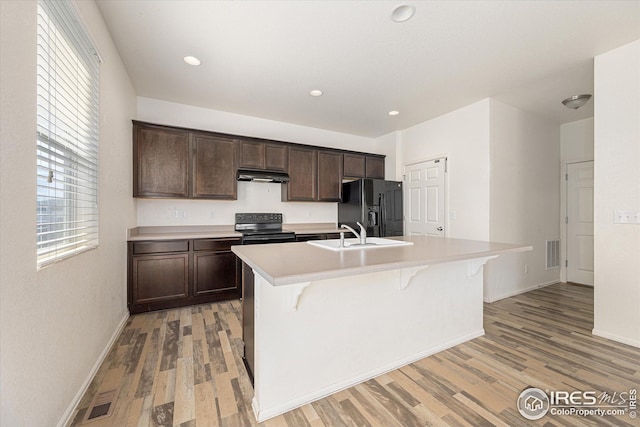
x: 101, y: 406
x: 553, y: 254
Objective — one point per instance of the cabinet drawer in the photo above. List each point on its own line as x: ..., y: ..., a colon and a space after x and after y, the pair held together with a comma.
x: 214, y: 244
x: 160, y: 246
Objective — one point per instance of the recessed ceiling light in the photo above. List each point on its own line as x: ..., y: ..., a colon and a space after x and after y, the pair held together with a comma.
x: 394, y: 113
x: 192, y: 60
x: 403, y: 13
x: 315, y: 92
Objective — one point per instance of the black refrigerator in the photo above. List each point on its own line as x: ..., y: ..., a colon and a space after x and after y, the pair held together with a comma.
x: 375, y: 203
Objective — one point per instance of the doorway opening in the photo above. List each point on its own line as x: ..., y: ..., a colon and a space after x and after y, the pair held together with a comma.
x: 578, y: 223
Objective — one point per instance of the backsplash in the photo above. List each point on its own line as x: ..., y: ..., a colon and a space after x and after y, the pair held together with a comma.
x: 252, y: 197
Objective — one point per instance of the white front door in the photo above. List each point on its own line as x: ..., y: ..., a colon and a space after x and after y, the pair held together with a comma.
x: 425, y: 197
x: 580, y: 223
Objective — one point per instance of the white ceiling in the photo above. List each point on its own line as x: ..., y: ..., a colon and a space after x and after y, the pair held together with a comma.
x: 261, y: 58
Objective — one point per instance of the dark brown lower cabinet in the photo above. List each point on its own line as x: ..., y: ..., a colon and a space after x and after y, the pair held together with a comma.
x: 216, y: 272
x: 178, y: 273
x: 160, y: 278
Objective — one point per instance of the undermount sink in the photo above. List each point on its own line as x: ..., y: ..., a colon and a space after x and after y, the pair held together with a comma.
x: 353, y: 244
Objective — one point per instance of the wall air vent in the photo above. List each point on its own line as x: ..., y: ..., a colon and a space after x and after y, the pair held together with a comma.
x: 553, y: 254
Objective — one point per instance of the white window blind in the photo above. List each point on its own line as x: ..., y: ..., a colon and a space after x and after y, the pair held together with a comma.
x: 67, y: 134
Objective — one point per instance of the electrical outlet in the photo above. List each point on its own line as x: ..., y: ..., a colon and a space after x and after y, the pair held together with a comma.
x: 178, y: 213
x: 526, y: 269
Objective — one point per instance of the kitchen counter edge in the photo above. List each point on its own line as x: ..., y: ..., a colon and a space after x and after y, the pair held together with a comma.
x: 329, y: 265
x: 179, y: 232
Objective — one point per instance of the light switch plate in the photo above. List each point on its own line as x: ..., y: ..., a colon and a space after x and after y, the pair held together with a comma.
x: 626, y: 217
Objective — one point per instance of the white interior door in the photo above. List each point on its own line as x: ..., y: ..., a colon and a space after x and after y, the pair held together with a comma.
x: 425, y: 197
x: 580, y: 223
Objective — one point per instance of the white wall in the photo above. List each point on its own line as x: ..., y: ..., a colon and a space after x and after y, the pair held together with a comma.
x: 503, y: 184
x: 617, y: 186
x: 576, y: 141
x: 56, y: 322
x: 524, y: 200
x: 251, y: 196
x: 463, y: 136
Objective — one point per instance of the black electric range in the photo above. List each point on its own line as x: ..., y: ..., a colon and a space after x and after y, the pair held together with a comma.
x: 260, y: 228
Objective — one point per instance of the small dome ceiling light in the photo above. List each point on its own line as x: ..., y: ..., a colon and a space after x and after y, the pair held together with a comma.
x: 576, y: 101
x: 192, y: 60
x: 315, y: 92
x: 393, y: 113
x: 403, y: 13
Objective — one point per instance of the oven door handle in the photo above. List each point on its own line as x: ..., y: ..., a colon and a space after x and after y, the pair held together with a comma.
x: 274, y: 239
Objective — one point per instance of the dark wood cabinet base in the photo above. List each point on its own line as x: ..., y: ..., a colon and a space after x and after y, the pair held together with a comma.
x: 184, y: 302
x: 166, y: 274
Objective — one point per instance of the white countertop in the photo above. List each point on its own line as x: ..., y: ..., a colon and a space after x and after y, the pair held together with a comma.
x: 181, y: 232
x: 216, y: 231
x: 288, y: 263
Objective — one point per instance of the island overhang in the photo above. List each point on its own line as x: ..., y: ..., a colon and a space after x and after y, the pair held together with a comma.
x: 289, y: 263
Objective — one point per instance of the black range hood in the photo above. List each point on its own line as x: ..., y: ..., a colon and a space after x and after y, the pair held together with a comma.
x: 261, y: 176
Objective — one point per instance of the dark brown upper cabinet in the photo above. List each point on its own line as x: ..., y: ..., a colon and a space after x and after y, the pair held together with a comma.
x: 214, y: 167
x: 161, y: 162
x: 354, y: 165
x: 262, y: 155
x: 329, y: 176
x: 251, y: 154
x: 303, y: 175
x: 177, y: 163
x: 276, y: 157
x: 314, y: 175
x: 363, y: 166
x: 374, y: 167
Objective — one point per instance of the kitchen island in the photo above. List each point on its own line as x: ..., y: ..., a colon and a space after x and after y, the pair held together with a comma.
x: 317, y: 321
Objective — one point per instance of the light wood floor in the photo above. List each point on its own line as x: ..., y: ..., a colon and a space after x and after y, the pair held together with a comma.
x: 183, y: 367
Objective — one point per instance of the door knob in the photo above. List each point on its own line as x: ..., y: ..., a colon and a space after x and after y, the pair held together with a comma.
x: 439, y: 228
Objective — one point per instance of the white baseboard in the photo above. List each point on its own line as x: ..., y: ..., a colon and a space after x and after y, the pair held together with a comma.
x: 69, y: 413
x: 262, y: 415
x: 519, y: 291
x: 614, y: 337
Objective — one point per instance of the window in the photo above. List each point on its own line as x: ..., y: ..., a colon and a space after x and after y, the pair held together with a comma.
x: 67, y: 134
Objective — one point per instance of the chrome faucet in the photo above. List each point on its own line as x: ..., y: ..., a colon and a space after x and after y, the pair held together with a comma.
x: 362, y: 236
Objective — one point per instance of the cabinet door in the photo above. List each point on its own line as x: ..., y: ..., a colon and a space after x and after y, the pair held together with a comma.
x: 251, y: 154
x: 214, y: 171
x: 160, y: 162
x: 303, y: 175
x: 354, y: 165
x: 375, y: 167
x: 160, y: 278
x: 215, y: 271
x: 329, y: 176
x: 276, y: 157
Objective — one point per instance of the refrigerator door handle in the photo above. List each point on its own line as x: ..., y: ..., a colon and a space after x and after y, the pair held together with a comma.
x: 383, y: 215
